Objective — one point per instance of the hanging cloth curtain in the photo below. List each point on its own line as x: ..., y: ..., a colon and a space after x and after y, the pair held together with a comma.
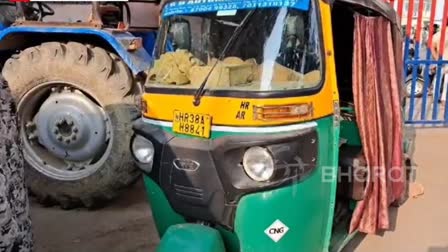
x: 377, y: 95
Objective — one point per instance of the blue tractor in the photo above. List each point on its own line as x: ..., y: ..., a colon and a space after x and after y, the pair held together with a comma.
x: 77, y: 84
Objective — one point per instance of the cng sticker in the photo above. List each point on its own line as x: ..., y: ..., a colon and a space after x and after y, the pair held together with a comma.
x: 276, y: 230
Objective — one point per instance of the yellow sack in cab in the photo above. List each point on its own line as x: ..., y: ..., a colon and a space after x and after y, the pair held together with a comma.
x: 231, y: 71
x: 173, y: 68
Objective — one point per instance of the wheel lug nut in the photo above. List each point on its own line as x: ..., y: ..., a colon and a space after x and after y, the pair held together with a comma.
x: 55, y: 131
x: 67, y: 141
x: 75, y: 130
x: 74, y: 137
x: 60, y: 138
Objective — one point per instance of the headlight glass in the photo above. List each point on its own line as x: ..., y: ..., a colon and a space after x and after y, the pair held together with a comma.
x: 258, y: 164
x: 143, y: 150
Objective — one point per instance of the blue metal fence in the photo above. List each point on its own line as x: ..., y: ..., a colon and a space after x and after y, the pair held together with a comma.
x: 424, y: 64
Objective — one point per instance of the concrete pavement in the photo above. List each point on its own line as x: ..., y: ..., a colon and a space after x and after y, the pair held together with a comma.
x: 421, y: 225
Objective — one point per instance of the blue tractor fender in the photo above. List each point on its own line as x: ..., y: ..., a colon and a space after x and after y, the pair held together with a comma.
x: 138, y: 60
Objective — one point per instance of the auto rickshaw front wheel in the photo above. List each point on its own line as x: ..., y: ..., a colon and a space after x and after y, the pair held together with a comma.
x: 76, y: 104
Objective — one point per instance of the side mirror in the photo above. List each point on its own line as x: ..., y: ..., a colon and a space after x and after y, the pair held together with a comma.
x: 181, y: 35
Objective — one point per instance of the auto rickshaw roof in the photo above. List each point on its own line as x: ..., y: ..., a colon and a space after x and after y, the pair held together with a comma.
x: 381, y: 7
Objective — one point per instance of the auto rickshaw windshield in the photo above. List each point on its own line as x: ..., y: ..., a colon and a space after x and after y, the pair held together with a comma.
x: 276, y: 49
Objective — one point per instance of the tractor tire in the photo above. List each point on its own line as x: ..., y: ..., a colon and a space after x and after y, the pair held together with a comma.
x: 15, y: 223
x: 65, y: 92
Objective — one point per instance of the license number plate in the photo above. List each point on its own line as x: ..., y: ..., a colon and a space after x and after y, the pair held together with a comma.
x: 192, y: 124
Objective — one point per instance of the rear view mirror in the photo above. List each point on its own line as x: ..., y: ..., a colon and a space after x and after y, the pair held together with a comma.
x: 181, y: 35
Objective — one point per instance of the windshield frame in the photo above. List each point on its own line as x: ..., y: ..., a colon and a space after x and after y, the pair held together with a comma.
x: 247, y: 93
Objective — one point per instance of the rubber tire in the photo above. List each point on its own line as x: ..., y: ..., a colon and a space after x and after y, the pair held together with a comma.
x: 15, y: 223
x: 419, y: 82
x: 105, y: 78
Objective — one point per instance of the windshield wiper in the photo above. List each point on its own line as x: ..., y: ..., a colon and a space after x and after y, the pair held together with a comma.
x: 201, y: 90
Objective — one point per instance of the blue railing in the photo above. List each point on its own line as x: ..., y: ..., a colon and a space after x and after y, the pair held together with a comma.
x: 424, y: 102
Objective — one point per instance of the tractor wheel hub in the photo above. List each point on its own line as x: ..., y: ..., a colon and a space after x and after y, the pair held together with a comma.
x: 71, y: 126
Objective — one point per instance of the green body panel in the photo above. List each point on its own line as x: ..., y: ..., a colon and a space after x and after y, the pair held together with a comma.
x: 306, y: 208
x: 191, y: 238
x: 350, y: 132
x: 164, y: 215
x: 333, y: 149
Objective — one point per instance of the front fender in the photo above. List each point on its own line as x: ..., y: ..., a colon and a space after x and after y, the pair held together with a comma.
x: 138, y: 60
x: 191, y: 238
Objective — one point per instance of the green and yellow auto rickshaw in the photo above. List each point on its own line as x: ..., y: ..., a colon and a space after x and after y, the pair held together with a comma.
x: 249, y: 122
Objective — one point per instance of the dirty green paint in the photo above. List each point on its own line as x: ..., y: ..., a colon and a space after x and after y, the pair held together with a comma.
x: 191, y: 238
x: 164, y: 215
x: 306, y: 207
x: 350, y: 132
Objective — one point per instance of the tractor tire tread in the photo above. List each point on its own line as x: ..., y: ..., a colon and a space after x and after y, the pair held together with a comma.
x: 105, y: 78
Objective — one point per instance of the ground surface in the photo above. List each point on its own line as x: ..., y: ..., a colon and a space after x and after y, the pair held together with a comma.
x: 124, y: 226
x: 420, y: 226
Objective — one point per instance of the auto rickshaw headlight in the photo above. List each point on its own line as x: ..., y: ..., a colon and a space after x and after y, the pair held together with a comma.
x: 143, y: 150
x: 258, y: 164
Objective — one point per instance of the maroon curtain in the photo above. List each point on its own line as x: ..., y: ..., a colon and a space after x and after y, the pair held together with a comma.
x: 376, y: 92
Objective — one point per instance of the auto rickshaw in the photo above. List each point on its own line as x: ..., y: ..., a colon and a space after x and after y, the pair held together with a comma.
x: 248, y: 119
